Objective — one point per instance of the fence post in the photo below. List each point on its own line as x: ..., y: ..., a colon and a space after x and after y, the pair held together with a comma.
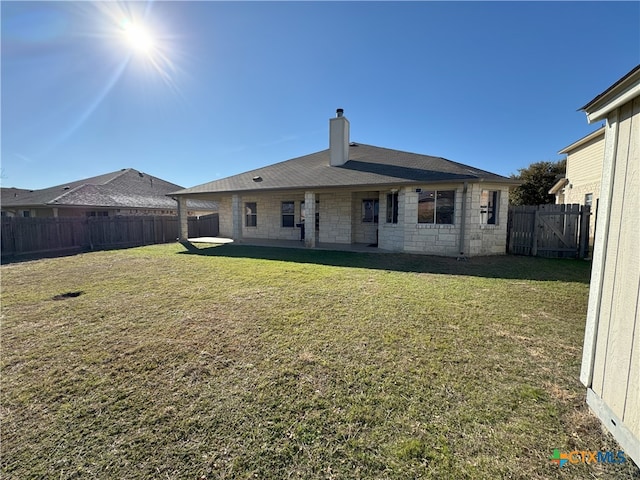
x: 534, y: 236
x: 509, y: 229
x: 585, y: 214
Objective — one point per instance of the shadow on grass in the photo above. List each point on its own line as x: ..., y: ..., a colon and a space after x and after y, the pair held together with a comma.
x: 502, y: 266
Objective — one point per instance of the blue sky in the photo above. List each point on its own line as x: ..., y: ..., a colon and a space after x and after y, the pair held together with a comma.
x: 228, y: 87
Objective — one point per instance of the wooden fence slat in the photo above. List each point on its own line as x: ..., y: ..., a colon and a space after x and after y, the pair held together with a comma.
x: 22, y: 236
x: 556, y: 231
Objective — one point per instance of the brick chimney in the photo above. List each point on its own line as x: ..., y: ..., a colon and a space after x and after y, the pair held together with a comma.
x: 338, y: 139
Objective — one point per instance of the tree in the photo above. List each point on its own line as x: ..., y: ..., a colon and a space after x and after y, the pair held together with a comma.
x: 537, y: 179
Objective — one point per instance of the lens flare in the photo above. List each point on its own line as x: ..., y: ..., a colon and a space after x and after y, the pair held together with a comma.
x: 137, y: 37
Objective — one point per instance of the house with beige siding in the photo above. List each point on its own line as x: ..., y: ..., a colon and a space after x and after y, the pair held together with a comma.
x: 581, y: 182
x: 611, y: 355
x: 584, y: 168
x: 354, y: 193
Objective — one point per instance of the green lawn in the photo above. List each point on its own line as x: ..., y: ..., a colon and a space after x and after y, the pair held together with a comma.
x: 245, y: 362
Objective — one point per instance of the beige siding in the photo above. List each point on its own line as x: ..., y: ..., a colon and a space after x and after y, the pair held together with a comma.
x: 632, y: 404
x: 584, y: 172
x: 584, y: 164
x: 616, y: 375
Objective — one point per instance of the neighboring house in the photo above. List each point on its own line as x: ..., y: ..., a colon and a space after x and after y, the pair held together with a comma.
x: 581, y: 183
x: 356, y: 193
x: 125, y: 192
x: 8, y: 194
x: 611, y: 356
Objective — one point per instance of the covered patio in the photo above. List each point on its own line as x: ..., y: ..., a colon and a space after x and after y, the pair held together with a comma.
x: 265, y: 242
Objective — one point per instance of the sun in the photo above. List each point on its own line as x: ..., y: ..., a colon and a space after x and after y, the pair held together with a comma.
x: 137, y: 37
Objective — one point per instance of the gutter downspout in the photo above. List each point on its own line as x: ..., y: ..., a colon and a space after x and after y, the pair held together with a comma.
x: 463, y: 215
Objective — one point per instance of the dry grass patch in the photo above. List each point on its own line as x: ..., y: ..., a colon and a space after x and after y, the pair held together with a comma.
x: 241, y: 362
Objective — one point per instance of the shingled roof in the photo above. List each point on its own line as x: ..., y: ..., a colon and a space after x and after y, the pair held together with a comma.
x: 126, y: 188
x: 367, y: 166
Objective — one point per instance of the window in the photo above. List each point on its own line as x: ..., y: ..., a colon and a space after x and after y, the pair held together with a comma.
x: 392, y: 207
x: 489, y: 201
x: 26, y: 213
x: 588, y: 199
x: 436, y: 206
x: 370, y: 209
x: 251, y: 214
x: 288, y: 214
x: 97, y: 214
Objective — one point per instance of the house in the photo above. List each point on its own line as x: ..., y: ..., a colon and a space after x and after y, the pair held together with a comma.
x: 354, y: 193
x: 125, y: 192
x: 581, y: 183
x: 611, y: 355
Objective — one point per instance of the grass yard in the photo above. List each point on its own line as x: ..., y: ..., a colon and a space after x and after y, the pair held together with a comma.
x: 240, y: 362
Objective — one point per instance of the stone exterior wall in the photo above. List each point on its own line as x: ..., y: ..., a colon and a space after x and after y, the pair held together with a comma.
x: 434, y: 239
x: 362, y: 232
x: 391, y: 235
x: 335, y: 217
x: 269, y: 216
x: 340, y: 215
x: 577, y: 193
x: 225, y: 219
x: 482, y: 239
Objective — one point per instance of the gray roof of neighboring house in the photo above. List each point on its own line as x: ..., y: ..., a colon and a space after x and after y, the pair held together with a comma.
x: 126, y: 188
x: 10, y: 193
x: 367, y: 166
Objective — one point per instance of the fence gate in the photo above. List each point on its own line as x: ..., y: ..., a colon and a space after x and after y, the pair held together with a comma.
x: 556, y: 231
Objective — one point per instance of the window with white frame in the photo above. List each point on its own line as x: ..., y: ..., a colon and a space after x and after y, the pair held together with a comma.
x: 251, y: 214
x: 436, y: 206
x: 588, y: 199
x: 288, y: 210
x: 489, y: 202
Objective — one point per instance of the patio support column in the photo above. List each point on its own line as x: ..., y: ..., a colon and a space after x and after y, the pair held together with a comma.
x: 236, y: 217
x: 309, y: 219
x: 183, y: 219
x: 463, y: 222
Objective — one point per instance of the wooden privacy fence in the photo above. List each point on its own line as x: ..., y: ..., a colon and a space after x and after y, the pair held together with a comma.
x: 34, y: 236
x: 556, y: 231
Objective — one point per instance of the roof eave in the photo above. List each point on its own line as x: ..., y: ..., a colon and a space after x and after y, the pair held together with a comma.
x: 359, y: 186
x: 621, y: 92
x: 560, y: 184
